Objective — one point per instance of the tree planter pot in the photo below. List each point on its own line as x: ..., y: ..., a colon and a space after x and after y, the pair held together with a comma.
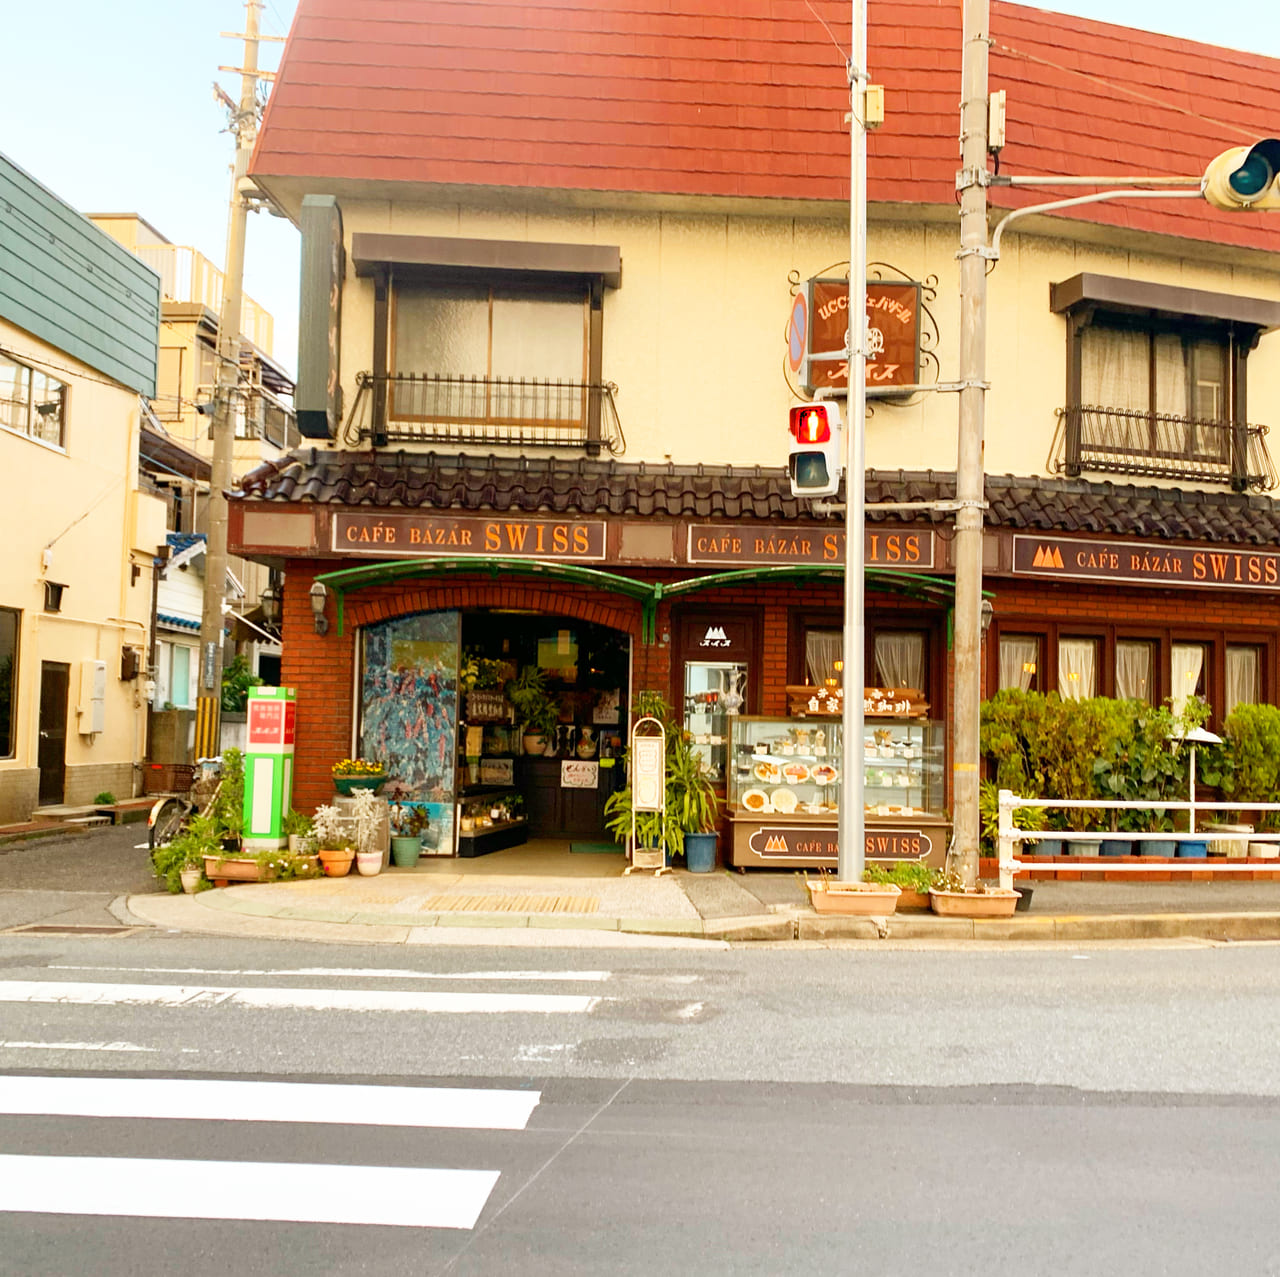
x: 997, y: 903
x: 1193, y: 849
x: 337, y: 864
x: 1084, y: 846
x: 347, y: 785
x: 368, y: 863
x: 1046, y: 847
x: 874, y: 899
x: 700, y: 852
x: 534, y: 743
x: 405, y: 851
x: 1163, y: 847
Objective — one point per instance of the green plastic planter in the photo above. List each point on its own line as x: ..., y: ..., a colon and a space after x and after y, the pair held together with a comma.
x: 347, y: 785
x: 405, y: 851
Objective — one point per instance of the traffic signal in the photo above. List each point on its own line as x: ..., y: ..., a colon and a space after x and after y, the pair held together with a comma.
x: 816, y: 457
x: 1244, y: 177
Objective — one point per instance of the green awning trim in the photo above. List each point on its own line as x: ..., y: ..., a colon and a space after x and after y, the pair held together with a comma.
x: 931, y: 589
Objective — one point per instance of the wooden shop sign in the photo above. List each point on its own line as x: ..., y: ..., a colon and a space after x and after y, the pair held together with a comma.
x: 1158, y: 563
x: 745, y: 546
x: 893, y: 333
x: 821, y: 843
x: 810, y: 701
x: 403, y: 536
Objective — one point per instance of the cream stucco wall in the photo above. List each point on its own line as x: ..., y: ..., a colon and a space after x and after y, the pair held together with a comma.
x: 81, y: 504
x: 694, y: 338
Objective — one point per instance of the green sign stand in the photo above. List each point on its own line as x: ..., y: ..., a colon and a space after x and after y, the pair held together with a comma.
x: 268, y: 766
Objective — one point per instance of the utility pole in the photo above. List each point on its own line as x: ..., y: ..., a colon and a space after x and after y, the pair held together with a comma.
x: 970, y: 464
x: 851, y: 820
x: 244, y: 124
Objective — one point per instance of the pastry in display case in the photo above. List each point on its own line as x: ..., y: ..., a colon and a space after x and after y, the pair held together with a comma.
x: 783, y: 790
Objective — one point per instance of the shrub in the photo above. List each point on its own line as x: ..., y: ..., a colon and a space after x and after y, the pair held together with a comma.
x: 104, y: 799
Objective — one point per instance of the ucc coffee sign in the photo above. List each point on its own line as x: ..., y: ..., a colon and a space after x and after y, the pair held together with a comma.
x: 893, y: 332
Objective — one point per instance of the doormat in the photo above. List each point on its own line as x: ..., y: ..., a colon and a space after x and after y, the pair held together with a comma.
x: 597, y: 849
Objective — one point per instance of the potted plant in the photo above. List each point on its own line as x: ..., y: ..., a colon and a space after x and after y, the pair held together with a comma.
x: 281, y: 865
x: 1252, y: 735
x: 410, y: 824
x: 950, y: 897
x: 332, y: 833
x: 367, y: 819
x: 180, y: 862
x: 869, y: 898
x: 689, y: 823
x: 535, y: 711
x: 297, y: 828
x: 228, y: 806
x: 913, y: 879
x: 352, y: 774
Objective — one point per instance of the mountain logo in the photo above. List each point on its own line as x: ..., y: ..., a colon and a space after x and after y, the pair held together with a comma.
x: 715, y: 637
x: 776, y: 843
x: 1047, y: 556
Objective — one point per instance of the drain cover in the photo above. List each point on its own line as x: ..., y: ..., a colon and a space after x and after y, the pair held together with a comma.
x: 510, y: 904
x: 53, y: 929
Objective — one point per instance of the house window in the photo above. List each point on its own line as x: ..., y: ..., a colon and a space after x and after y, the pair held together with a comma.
x: 9, y: 621
x: 1243, y: 676
x: 1020, y: 662
x: 504, y: 356
x: 32, y: 402
x: 1136, y: 670
x: 1188, y: 662
x: 900, y: 657
x: 1077, y: 668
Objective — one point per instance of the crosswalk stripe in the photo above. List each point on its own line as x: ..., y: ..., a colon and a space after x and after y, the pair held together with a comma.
x: 379, y: 973
x: 311, y: 1102
x: 407, y: 1197
x: 167, y: 995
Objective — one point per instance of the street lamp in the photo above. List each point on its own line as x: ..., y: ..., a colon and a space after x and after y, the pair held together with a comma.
x: 319, y: 596
x: 269, y: 602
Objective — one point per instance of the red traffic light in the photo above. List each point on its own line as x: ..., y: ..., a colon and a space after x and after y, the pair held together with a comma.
x: 810, y: 423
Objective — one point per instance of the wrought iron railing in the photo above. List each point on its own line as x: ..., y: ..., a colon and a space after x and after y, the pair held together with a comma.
x: 1161, y: 446
x: 494, y: 411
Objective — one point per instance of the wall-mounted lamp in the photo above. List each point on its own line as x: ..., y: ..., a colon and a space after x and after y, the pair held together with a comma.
x: 269, y: 602
x: 319, y: 596
x: 988, y: 611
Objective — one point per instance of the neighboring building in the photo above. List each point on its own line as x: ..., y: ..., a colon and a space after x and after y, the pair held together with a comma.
x: 78, y: 350
x: 264, y: 426
x: 549, y: 260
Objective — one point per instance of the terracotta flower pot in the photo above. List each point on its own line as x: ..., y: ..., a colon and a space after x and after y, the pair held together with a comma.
x: 865, y: 898
x: 995, y: 903
x: 337, y: 864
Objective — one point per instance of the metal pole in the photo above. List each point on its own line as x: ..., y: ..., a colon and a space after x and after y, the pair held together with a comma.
x: 851, y: 823
x: 972, y: 182
x: 245, y: 127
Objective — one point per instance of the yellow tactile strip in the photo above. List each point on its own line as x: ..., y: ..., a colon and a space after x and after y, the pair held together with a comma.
x: 460, y: 903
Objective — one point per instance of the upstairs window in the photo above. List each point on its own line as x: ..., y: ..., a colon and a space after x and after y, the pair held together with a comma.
x: 32, y: 402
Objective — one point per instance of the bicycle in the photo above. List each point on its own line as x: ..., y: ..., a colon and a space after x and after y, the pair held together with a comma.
x: 171, y: 814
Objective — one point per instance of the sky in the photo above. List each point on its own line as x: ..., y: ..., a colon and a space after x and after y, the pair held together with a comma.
x: 119, y: 114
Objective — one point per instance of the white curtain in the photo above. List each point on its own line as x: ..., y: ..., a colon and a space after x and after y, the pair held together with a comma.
x: 900, y: 659
x: 1019, y: 656
x: 822, y: 649
x: 1077, y: 668
x: 1187, y: 661
x: 1134, y: 670
x: 1244, y: 676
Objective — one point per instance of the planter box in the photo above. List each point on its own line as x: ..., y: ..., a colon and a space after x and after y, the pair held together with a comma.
x: 219, y: 869
x: 908, y: 899
x: 997, y: 903
x: 865, y: 898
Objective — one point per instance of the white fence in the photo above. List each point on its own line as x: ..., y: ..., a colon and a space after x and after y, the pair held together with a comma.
x: 1010, y: 837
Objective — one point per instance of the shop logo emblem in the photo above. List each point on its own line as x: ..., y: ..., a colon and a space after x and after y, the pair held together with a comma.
x: 1047, y: 556
x: 777, y: 843
x: 715, y: 637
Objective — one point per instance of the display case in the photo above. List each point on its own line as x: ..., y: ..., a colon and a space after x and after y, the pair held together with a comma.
x: 783, y: 790
x: 490, y: 818
x: 713, y: 694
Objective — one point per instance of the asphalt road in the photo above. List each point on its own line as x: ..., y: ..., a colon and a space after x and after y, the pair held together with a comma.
x: 760, y: 1111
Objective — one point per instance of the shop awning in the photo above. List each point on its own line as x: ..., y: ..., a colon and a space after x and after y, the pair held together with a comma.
x: 938, y: 590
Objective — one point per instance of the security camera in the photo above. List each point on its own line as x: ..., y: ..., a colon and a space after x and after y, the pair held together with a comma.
x: 206, y: 409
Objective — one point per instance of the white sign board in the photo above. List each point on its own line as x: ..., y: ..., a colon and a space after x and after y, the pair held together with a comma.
x: 576, y: 774
x: 647, y: 773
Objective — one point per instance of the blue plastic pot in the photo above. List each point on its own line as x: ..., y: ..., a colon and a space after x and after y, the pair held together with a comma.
x: 700, y: 852
x: 1164, y: 847
x: 1046, y: 847
x: 1193, y: 848
x: 1117, y: 847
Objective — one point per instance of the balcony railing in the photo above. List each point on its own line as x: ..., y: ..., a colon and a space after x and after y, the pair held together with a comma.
x: 1161, y: 446
x: 493, y: 411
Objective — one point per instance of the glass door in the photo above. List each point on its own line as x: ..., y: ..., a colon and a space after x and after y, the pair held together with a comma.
x: 713, y: 692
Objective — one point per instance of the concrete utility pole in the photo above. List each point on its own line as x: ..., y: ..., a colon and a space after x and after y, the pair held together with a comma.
x: 970, y: 465
x: 851, y: 820
x: 244, y: 124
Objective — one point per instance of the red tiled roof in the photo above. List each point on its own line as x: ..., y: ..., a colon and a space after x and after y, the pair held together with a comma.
x: 684, y: 97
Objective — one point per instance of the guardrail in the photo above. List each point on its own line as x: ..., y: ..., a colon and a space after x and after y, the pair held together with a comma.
x: 1009, y: 836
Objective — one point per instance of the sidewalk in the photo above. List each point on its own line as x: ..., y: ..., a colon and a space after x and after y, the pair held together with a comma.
x: 453, y: 902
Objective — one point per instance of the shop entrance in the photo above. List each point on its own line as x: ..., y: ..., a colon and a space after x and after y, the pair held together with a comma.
x: 498, y: 727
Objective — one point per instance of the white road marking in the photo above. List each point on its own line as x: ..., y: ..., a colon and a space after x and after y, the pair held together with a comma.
x: 405, y: 1197
x: 690, y: 1010
x: 168, y: 995
x: 304, y: 1102
x: 77, y: 1046
x: 536, y: 1053
x: 568, y: 977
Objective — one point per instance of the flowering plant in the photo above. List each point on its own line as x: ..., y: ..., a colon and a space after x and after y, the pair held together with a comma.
x: 331, y: 828
x: 359, y: 767
x: 364, y: 811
